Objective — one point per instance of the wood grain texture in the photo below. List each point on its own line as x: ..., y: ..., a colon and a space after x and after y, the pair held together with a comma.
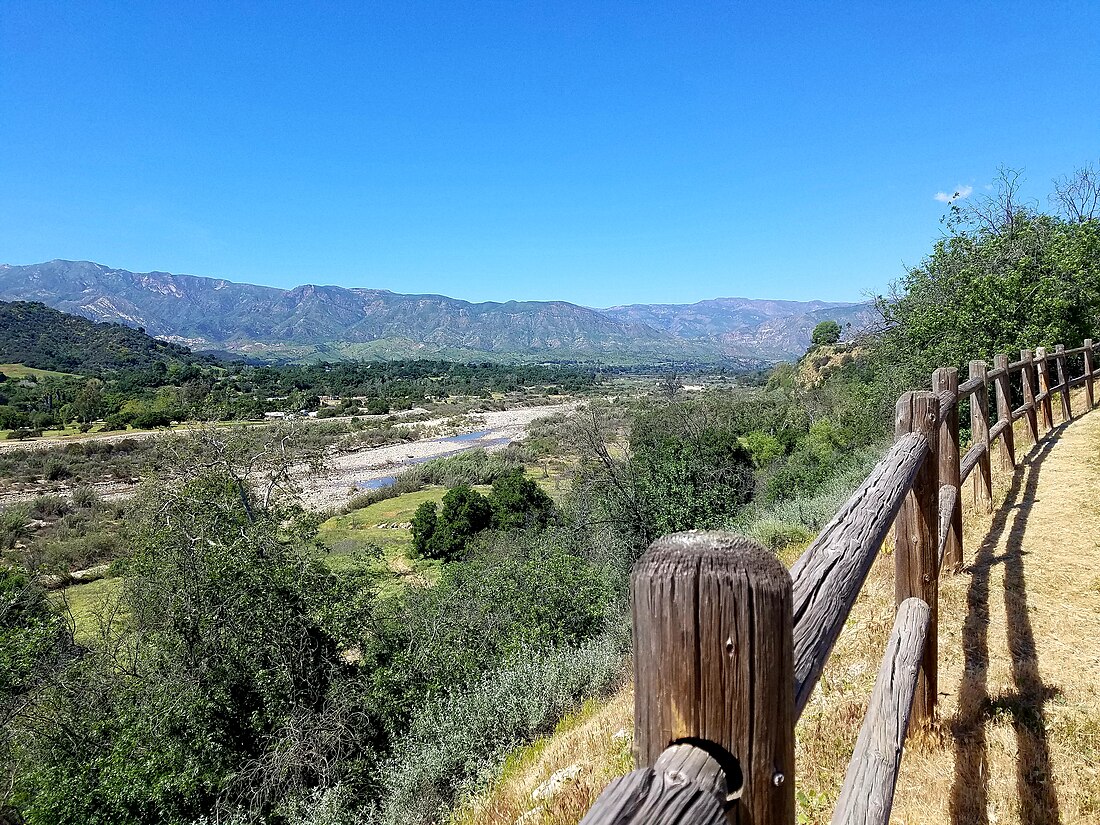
x: 1063, y: 381
x: 970, y: 461
x: 830, y: 573
x: 947, y: 398
x: 970, y: 384
x: 867, y: 794
x: 1003, y: 394
x: 949, y: 501
x: 1027, y: 384
x: 1090, y: 389
x: 712, y: 660
x: 998, y: 429
x: 979, y: 434
x: 1042, y: 369
x: 916, y: 552
x: 648, y: 797
x: 945, y: 381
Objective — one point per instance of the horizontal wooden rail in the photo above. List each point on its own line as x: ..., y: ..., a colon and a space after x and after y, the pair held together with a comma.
x: 967, y: 387
x: 947, y: 399
x: 868, y: 791
x: 995, y: 373
x: 1021, y: 411
x: 688, y: 786
x: 1074, y: 351
x: 830, y: 573
x: 998, y: 428
x: 970, y: 461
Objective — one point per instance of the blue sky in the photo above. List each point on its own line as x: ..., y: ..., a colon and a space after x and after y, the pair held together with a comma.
x: 601, y: 153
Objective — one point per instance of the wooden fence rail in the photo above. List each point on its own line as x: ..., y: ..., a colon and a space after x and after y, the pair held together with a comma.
x: 729, y: 646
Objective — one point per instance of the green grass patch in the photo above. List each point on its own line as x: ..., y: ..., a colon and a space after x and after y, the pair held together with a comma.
x: 383, y: 524
x: 89, y: 604
x: 21, y: 371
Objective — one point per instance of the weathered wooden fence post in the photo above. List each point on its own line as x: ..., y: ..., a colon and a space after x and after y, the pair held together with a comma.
x: 1004, y: 413
x: 1042, y: 366
x: 1063, y: 380
x: 1027, y: 379
x: 945, y: 383
x: 979, y: 434
x: 1090, y: 399
x: 916, y: 557
x: 713, y: 662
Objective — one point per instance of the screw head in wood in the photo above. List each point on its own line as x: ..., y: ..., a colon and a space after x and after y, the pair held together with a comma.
x: 778, y: 779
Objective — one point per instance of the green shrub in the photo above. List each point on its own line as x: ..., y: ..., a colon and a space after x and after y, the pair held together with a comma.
x: 49, y: 506
x: 425, y: 523
x: 55, y: 468
x: 85, y: 497
x: 464, y: 514
x: 778, y: 535
x: 518, y: 502
x: 457, y: 742
x: 14, y: 526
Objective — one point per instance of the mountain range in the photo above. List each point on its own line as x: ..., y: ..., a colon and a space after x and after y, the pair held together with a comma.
x: 311, y: 322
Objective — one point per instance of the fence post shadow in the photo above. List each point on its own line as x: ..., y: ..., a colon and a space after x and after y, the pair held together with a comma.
x: 969, y: 803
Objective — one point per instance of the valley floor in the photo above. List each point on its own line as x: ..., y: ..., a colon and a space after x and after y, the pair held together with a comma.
x: 493, y: 430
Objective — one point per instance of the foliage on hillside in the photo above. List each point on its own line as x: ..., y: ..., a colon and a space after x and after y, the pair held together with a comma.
x: 38, y: 336
x: 1006, y: 277
x: 156, y: 395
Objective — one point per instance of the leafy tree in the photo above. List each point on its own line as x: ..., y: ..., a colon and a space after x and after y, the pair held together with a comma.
x: 762, y: 447
x: 525, y: 589
x: 224, y: 688
x: 827, y: 332
x: 1006, y: 278
x: 518, y: 501
x: 425, y: 523
x: 465, y: 513
x: 686, y: 483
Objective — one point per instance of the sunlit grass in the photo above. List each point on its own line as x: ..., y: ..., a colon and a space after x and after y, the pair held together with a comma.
x: 21, y: 371
x: 89, y: 604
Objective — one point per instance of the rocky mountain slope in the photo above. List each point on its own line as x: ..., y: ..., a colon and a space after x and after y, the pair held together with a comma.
x: 335, y: 322
x: 771, y: 330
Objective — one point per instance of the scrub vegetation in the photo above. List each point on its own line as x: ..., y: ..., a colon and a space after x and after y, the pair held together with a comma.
x: 246, y: 660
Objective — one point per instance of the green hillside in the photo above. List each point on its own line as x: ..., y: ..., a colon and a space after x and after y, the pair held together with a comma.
x: 37, y: 336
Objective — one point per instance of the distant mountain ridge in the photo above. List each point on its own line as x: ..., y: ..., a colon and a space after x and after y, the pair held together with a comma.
x: 334, y: 322
x: 771, y: 329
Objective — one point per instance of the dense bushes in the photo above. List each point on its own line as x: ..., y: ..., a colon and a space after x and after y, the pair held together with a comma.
x: 247, y: 683
x: 514, y: 502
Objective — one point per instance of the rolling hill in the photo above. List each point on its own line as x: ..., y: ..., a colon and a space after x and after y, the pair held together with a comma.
x: 37, y: 336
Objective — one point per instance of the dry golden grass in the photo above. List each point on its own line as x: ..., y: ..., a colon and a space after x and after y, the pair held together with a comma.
x: 597, y: 739
x: 1019, y: 733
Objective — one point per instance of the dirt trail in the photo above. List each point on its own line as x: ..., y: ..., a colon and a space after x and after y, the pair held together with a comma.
x: 1020, y: 647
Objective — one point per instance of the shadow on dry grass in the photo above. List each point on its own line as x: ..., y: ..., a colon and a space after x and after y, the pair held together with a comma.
x: 1025, y: 706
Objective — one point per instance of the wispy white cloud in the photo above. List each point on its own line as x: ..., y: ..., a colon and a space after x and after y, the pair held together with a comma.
x: 959, y: 193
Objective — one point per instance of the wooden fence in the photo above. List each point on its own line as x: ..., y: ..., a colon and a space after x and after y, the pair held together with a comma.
x: 722, y: 631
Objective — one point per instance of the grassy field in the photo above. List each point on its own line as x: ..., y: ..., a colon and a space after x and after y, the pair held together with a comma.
x: 20, y: 371
x: 351, y: 538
